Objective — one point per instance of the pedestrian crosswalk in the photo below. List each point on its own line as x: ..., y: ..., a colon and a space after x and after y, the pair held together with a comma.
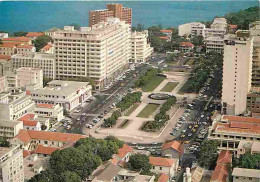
x: 91, y: 114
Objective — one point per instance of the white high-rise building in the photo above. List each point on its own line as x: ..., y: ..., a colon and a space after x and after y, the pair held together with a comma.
x: 237, y: 69
x: 99, y: 52
x: 141, y: 49
x: 28, y: 77
x: 11, y: 164
x: 193, y: 29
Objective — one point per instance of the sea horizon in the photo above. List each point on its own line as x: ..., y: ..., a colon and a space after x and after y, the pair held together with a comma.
x: 43, y: 15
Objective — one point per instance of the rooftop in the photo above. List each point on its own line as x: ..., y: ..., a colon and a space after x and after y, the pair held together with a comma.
x: 61, y: 88
x: 243, y: 172
x: 34, y: 34
x: 10, y: 44
x: 160, y: 161
x: 106, y: 172
x: 25, y: 46
x: 17, y: 39
x: 47, y: 47
x: 124, y: 150
x: 187, y: 44
x: 220, y: 173
x: 173, y: 144
x: 166, y: 31
x: 4, y: 151
x: 27, y: 135
x: 241, y: 119
x: 2, y: 56
x: 50, y: 106
x: 9, y: 123
x: 225, y: 157
x: 45, y: 150
x: 163, y: 178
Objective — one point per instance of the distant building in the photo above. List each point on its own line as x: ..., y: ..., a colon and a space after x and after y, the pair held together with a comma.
x: 122, y: 157
x: 231, y: 130
x: 214, y: 44
x: 34, y: 35
x: 141, y: 49
x: 30, y: 124
x: 10, y: 129
x: 5, y: 64
x: 36, y: 60
x: 253, y: 101
x: 115, y: 10
x: 68, y: 94
x: 14, y: 105
x: 11, y: 164
x: 49, y: 49
x: 21, y: 40
x: 25, y: 49
x: 3, y: 84
x: 193, y: 29
x: 51, y: 31
x: 245, y: 175
x: 3, y: 35
x: 8, y: 48
x: 237, y: 69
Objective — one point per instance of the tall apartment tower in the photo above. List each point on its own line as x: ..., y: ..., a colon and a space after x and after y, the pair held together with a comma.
x: 11, y: 164
x: 100, y: 52
x: 113, y: 10
x: 237, y: 67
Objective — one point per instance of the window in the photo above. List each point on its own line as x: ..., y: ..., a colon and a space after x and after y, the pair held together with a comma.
x: 160, y: 168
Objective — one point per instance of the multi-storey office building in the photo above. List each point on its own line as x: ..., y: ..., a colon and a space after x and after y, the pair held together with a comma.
x: 214, y: 44
x: 99, y: 52
x: 141, y: 49
x: 233, y: 129
x: 68, y: 94
x: 253, y: 101
x: 36, y: 60
x: 113, y: 10
x: 11, y: 164
x: 14, y: 105
x: 237, y: 68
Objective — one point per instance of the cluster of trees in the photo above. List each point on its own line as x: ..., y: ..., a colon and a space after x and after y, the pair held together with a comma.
x: 76, y: 163
x: 139, y: 162
x: 208, y: 154
x: 160, y: 118
x: 144, y: 79
x: 4, y: 142
x: 42, y: 41
x: 128, y: 100
x: 247, y: 161
x: 201, y: 72
x: 243, y: 18
x: 111, y: 121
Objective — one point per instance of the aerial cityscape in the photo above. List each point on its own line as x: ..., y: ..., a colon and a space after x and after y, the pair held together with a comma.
x: 130, y: 91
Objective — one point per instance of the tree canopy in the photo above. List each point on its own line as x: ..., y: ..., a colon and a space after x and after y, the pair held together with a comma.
x: 247, y: 161
x: 139, y: 162
x: 208, y: 153
x: 41, y: 41
x: 19, y: 34
x: 4, y: 142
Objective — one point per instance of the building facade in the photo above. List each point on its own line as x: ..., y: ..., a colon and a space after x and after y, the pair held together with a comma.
x: 246, y: 175
x: 237, y: 69
x: 3, y: 84
x: 10, y: 129
x: 11, y: 164
x: 100, y: 52
x: 54, y: 112
x: 214, y: 44
x: 113, y: 10
x: 36, y: 60
x: 141, y: 49
x: 14, y: 105
x: 253, y: 101
x: 29, y: 76
x: 193, y: 29
x: 68, y: 94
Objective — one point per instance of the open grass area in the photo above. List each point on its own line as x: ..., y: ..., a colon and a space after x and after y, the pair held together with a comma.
x: 169, y: 86
x: 148, y: 110
x: 132, y: 109
x: 153, y: 83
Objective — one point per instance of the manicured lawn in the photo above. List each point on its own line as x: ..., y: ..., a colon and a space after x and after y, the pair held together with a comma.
x: 169, y: 86
x: 148, y: 110
x: 155, y: 81
x: 132, y: 109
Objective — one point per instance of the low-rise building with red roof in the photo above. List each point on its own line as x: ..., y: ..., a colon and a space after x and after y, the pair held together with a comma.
x: 29, y: 122
x: 221, y: 171
x: 163, y: 178
x: 186, y: 46
x: 172, y: 149
x: 166, y: 32
x: 34, y: 35
x: 30, y: 139
x: 9, y: 48
x: 122, y: 157
x: 42, y: 150
x: 22, y: 40
x: 164, y: 165
x: 167, y: 38
x: 230, y: 130
x: 4, y: 57
x: 25, y: 49
x: 49, y: 48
